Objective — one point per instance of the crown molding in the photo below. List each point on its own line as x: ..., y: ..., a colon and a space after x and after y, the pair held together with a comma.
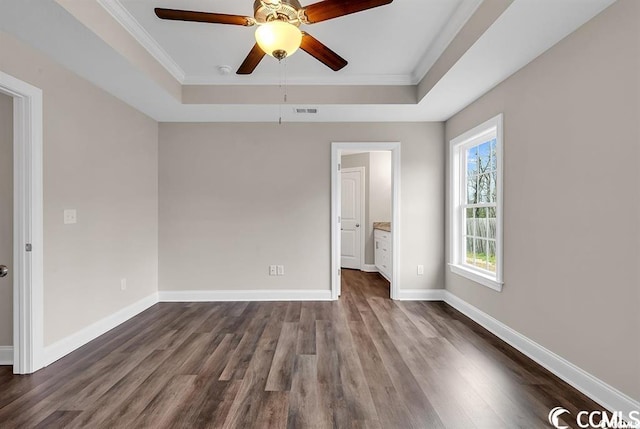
x: 129, y: 23
x: 454, y: 24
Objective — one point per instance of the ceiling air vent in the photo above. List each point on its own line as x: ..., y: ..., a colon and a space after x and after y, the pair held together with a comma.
x: 301, y: 110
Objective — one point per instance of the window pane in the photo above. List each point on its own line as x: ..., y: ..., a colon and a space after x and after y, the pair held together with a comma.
x: 469, y: 223
x: 469, y: 250
x: 472, y: 186
x: 491, y: 256
x: 484, y: 153
x: 492, y: 187
x: 480, y: 258
x: 472, y: 161
x: 491, y: 222
x: 481, y: 222
x: 483, y: 188
x: 494, y: 159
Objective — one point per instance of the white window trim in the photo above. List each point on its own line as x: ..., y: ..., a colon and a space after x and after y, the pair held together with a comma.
x: 456, y: 266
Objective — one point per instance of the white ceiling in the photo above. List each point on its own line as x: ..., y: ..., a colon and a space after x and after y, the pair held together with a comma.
x: 525, y: 30
x: 385, y: 45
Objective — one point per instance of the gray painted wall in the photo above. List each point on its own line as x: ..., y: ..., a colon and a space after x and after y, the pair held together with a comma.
x: 100, y: 158
x: 236, y: 198
x: 571, y: 198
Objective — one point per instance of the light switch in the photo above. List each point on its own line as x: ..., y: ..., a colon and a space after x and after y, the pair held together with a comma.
x: 70, y: 216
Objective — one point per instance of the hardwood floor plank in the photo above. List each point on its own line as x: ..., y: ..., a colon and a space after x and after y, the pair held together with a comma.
x: 239, y: 360
x: 306, y: 343
x: 271, y: 333
x: 103, y: 408
x: 216, y: 362
x: 328, y: 366
x: 205, y: 403
x: 244, y: 409
x: 389, y: 406
x: 272, y: 411
x: 421, y: 409
x: 293, y: 312
x: 58, y: 419
x: 305, y: 407
x: 281, y: 373
x: 160, y: 410
x: 357, y: 396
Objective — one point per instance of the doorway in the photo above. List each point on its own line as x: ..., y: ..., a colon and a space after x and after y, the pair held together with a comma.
x: 6, y: 230
x: 352, y: 231
x: 26, y: 267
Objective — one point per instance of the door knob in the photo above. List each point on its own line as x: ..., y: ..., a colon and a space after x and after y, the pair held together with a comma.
x: 3, y: 270
x: 357, y: 225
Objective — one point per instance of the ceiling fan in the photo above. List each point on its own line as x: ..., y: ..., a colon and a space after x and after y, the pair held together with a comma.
x: 278, y: 22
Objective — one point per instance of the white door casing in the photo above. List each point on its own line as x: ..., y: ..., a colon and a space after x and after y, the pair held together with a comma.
x: 351, y: 224
x: 28, y: 273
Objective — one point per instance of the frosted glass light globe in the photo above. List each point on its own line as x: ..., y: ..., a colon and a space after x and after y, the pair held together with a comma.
x: 278, y: 38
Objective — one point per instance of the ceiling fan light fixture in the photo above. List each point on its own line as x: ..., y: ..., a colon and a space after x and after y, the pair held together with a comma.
x: 278, y: 38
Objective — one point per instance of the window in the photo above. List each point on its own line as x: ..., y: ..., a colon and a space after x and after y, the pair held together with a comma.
x: 476, y: 204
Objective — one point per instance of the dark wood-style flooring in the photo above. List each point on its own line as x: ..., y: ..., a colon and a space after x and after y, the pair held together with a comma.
x: 362, y: 362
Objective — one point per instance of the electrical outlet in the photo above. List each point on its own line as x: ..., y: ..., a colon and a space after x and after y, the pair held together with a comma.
x: 123, y: 284
x: 281, y: 270
x: 420, y: 270
x: 273, y: 271
x: 70, y: 216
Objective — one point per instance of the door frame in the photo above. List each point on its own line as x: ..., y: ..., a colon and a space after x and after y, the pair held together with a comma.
x: 336, y: 203
x: 363, y: 200
x: 28, y: 268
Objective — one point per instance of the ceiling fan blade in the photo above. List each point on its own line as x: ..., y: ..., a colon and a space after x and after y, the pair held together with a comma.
x: 251, y: 62
x: 193, y: 16
x: 320, y: 52
x: 329, y: 9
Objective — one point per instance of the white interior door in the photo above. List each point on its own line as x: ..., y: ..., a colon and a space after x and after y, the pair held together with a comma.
x: 6, y: 222
x: 351, y: 219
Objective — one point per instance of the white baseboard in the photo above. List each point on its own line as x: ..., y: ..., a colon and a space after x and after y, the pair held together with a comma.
x: 421, y: 295
x: 66, y: 345
x: 6, y: 355
x: 369, y: 268
x: 244, y: 295
x: 604, y: 394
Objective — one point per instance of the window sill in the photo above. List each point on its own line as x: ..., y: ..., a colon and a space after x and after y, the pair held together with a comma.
x: 476, y: 277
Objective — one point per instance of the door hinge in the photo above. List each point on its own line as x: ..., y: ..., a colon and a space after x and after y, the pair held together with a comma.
x: 28, y: 247
x: 339, y: 272
x: 339, y: 166
x: 338, y: 219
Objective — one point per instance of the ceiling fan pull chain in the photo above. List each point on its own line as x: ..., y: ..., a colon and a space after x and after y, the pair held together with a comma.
x: 285, y: 81
x: 280, y: 104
